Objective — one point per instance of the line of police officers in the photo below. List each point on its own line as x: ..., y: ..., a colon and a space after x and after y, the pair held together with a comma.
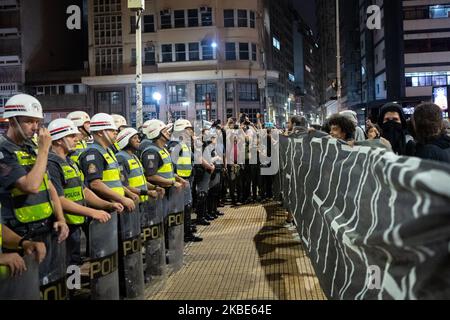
x: 81, y: 170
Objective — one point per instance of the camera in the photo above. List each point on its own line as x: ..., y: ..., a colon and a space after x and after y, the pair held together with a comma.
x: 236, y: 127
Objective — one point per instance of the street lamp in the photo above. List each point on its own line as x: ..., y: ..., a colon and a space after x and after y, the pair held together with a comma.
x: 157, y: 97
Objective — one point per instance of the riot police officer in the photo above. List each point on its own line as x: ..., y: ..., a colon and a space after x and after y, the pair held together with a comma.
x: 30, y: 203
x: 180, y: 148
x: 68, y: 180
x: 82, y: 121
x: 100, y: 166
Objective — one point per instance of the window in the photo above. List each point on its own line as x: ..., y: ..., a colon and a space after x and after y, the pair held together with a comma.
x: 203, y: 114
x: 167, y: 53
x: 194, y: 53
x: 179, y: 115
x: 108, y: 30
x: 252, y: 113
x: 149, y: 57
x: 179, y: 19
x: 248, y: 92
x: 133, y: 24
x: 440, y: 11
x: 207, y: 51
x: 166, y: 20
x: 62, y: 90
x: 427, y: 79
x: 202, y: 89
x: 229, y: 91
x: 228, y: 16
x: 180, y: 52
x: 276, y: 43
x: 230, y: 51
x: 149, y: 24
x: 242, y: 19
x: 133, y: 57
x: 252, y: 19
x: 439, y: 80
x: 206, y: 16
x: 76, y: 89
x: 254, y: 52
x: 243, y: 51
x: 177, y: 93
x: 193, y: 18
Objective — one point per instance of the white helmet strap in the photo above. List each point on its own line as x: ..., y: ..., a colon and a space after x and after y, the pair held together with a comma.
x: 107, y: 138
x: 19, y: 129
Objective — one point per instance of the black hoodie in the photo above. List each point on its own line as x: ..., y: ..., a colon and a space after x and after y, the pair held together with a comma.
x: 438, y: 149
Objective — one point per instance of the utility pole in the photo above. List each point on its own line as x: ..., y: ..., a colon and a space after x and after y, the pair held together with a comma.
x: 138, y: 6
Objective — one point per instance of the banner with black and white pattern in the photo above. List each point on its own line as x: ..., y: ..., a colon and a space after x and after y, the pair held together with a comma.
x: 375, y: 225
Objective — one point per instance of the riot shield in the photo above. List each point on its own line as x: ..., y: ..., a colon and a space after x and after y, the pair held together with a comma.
x: 103, y: 253
x: 152, y: 234
x: 25, y: 287
x: 174, y: 226
x: 130, y: 264
x: 203, y: 183
x: 53, y: 270
x: 188, y: 194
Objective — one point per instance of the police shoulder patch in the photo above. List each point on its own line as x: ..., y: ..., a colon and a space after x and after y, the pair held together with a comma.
x: 92, y: 168
x: 90, y: 157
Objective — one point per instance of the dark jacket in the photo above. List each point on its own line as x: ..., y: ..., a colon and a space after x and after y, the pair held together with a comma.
x: 438, y: 150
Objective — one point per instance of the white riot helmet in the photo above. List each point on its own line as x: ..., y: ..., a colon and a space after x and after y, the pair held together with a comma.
x: 152, y: 129
x: 79, y: 118
x: 119, y: 120
x: 181, y: 125
x: 61, y: 128
x: 23, y: 105
x: 124, y: 137
x: 101, y: 122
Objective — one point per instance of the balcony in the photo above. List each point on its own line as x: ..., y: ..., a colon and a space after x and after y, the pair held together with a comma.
x: 10, y: 61
x: 9, y: 5
x: 9, y: 33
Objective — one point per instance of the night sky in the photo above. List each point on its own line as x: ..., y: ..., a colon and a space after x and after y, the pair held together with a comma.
x: 307, y: 9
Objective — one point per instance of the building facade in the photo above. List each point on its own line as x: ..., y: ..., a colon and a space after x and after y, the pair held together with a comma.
x: 196, y: 54
x: 306, y: 69
x: 407, y: 58
x: 41, y: 56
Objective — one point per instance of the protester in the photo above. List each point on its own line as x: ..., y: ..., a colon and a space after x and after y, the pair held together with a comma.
x: 432, y: 141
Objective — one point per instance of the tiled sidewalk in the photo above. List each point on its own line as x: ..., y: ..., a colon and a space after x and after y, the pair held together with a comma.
x: 245, y: 255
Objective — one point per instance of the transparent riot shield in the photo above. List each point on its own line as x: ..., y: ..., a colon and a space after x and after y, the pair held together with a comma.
x: 25, y: 287
x: 103, y: 253
x: 130, y: 262
x: 53, y: 270
x: 152, y: 234
x: 174, y: 225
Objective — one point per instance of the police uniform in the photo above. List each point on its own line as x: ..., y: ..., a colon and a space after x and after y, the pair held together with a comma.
x: 98, y: 163
x: 27, y: 215
x: 133, y: 173
x: 183, y: 166
x: 68, y: 180
x: 31, y: 216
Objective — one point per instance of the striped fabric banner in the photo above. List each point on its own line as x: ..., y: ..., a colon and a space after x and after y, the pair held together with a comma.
x: 376, y: 226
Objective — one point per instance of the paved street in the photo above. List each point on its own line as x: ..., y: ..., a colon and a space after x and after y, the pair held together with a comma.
x: 247, y: 254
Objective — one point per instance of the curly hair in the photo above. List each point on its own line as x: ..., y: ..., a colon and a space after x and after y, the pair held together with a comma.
x: 428, y: 122
x: 346, y: 125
